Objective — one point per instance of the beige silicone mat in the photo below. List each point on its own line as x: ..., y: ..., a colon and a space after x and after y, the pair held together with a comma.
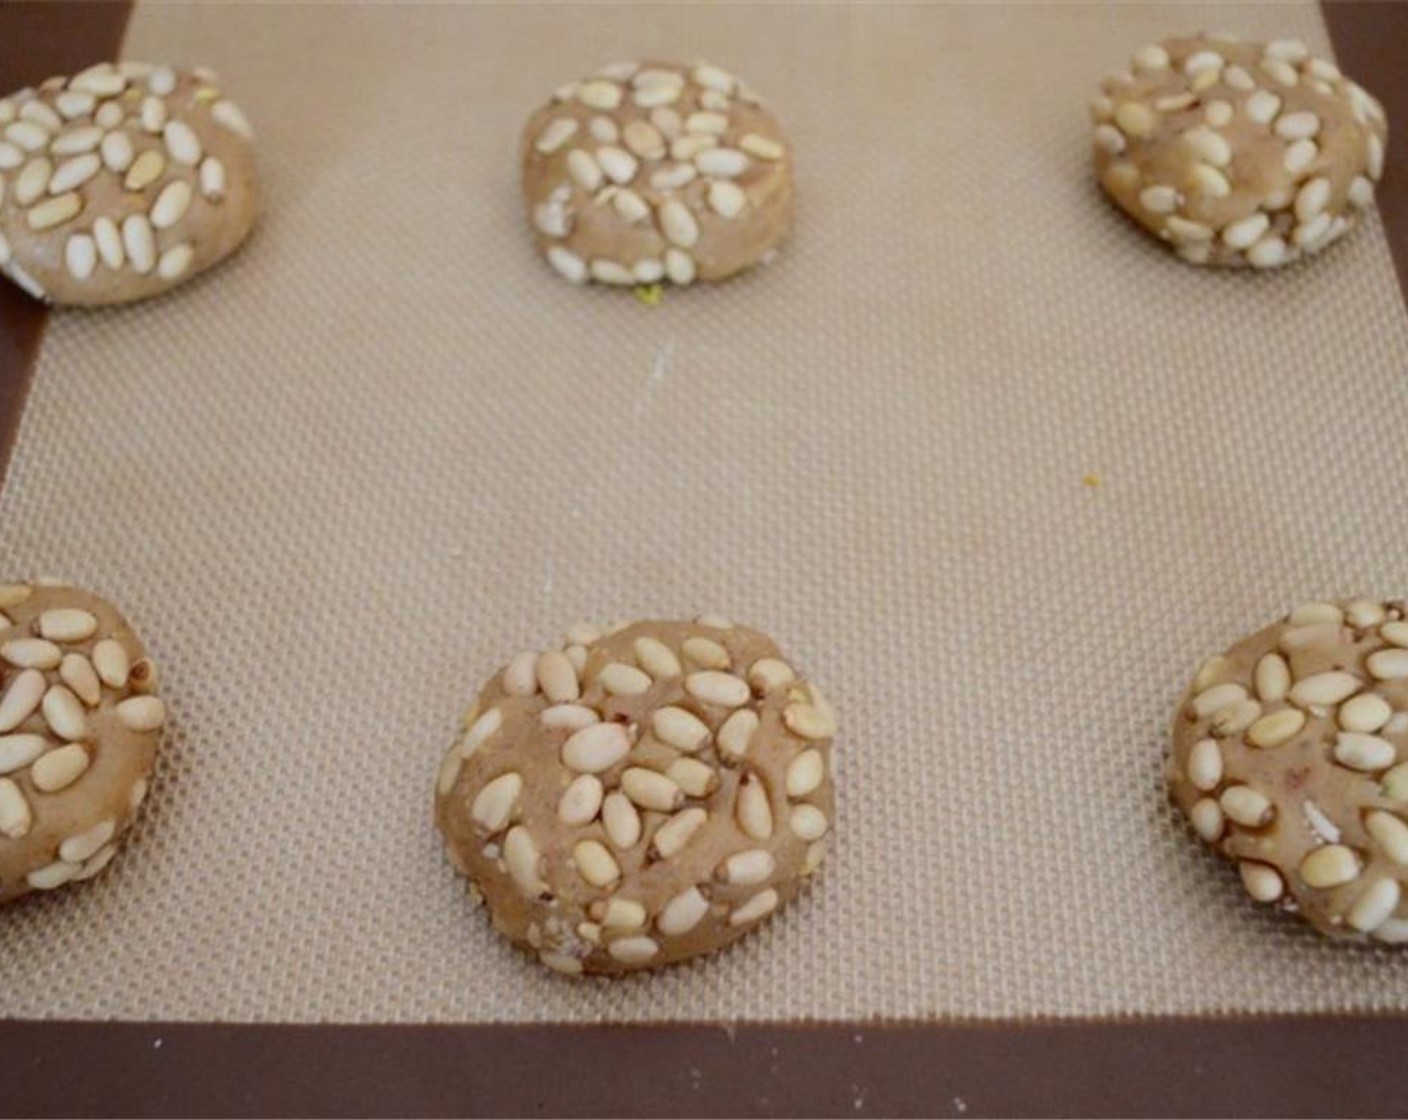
x: 341, y: 480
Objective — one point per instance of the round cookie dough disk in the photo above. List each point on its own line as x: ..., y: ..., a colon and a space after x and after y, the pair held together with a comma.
x: 79, y: 728
x: 656, y: 170
x: 1290, y: 756
x: 639, y: 797
x: 121, y: 182
x: 1241, y: 154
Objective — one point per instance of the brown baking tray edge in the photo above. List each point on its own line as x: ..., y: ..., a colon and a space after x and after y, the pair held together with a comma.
x: 1286, y: 1066
x: 1292, y: 1066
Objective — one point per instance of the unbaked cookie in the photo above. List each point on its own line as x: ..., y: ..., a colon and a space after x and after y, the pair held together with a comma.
x: 79, y: 727
x: 1290, y: 756
x: 121, y: 182
x: 641, y: 796
x: 656, y: 170
x: 1242, y: 154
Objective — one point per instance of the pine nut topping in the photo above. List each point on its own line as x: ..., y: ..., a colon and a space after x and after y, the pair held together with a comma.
x: 76, y: 671
x: 1246, y: 806
x: 748, y: 868
x: 142, y: 713
x: 1388, y: 664
x: 595, y: 863
x: 596, y: 748
x: 672, y: 836
x: 1324, y: 689
x: 624, y: 680
x: 1375, y: 905
x: 171, y: 204
x: 59, y: 769
x: 1277, y: 728
x: 692, y: 776
x: 1206, y: 817
x: 81, y: 846
x: 31, y: 653
x: 21, y: 699
x: 480, y: 731
x: 523, y: 859
x: 633, y: 950
x: 706, y: 653
x: 651, y: 790
x: 494, y: 805
x: 682, y: 913
x: 736, y: 734
x: 657, y: 659
x: 1211, y: 701
x: 680, y: 729
x: 621, y: 821
x: 182, y: 144
x: 140, y: 243
x: 1261, y: 881
x: 1391, y: 833
x: 805, y: 773
x: 557, y: 677
x: 755, y: 909
x: 1205, y: 765
x: 716, y: 688
x: 1365, y: 713
x: 1330, y: 866
x: 16, y: 818
x: 808, y: 822
x: 18, y: 751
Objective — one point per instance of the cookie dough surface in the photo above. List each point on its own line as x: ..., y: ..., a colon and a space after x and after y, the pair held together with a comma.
x: 1238, y: 154
x: 1290, y: 756
x: 640, y: 797
x: 656, y: 170
x: 122, y: 182
x: 79, y: 728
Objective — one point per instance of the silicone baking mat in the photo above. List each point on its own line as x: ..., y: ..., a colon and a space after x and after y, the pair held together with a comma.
x: 991, y: 466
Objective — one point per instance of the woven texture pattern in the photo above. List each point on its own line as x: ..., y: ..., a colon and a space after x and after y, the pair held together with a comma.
x: 341, y: 479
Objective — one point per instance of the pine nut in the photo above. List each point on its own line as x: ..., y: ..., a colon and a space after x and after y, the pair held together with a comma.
x: 760, y: 147
x: 623, y: 680
x: 651, y: 790
x: 1262, y: 882
x: 142, y: 713
x: 595, y: 864
x: 54, y: 875
x: 18, y: 751
x: 808, y: 822
x: 672, y: 836
x: 1297, y: 126
x: 73, y: 173
x: 82, y: 845
x: 657, y: 659
x: 1246, y: 806
x: 1395, y: 782
x: 182, y: 144
x: 1276, y: 729
x: 596, y: 748
x: 1316, y: 614
x: 1212, y: 700
x: 1363, y: 752
x: 682, y: 913
x: 77, y: 672
x: 1330, y: 866
x: 692, y: 776
x: 736, y: 734
x: 574, y: 717
x: 16, y: 819
x: 1272, y: 678
x: 1246, y: 232
x: 621, y: 821
x: 680, y: 729
x: 140, y: 243
x: 1324, y: 690
x: 1212, y: 671
x: 212, y: 179
x: 748, y: 868
x: 146, y: 169
x: 109, y: 242
x: 1206, y: 818
x: 678, y: 224
x: 557, y: 677
x: 54, y: 212
x: 171, y: 204
x: 229, y: 115
x: 1205, y: 765
x: 1388, y: 664
x: 1375, y: 905
x: 633, y: 950
x: 24, y: 695
x: 31, y: 653
x: 520, y: 675
x: 622, y: 914
x: 522, y: 858
x: 805, y: 773
x: 80, y: 256
x: 480, y: 731
x: 581, y: 801
x: 717, y: 688
x: 59, y: 769
x: 768, y: 674
x: 755, y: 909
x: 753, y: 809
x: 723, y: 163
x: 679, y: 267
x: 174, y: 262
x: 496, y: 802
x: 1391, y: 833
x: 1262, y: 106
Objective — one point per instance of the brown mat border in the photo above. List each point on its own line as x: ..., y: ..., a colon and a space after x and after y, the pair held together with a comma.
x: 1292, y: 1066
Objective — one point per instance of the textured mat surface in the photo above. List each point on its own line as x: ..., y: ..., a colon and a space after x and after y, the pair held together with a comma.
x: 337, y: 482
